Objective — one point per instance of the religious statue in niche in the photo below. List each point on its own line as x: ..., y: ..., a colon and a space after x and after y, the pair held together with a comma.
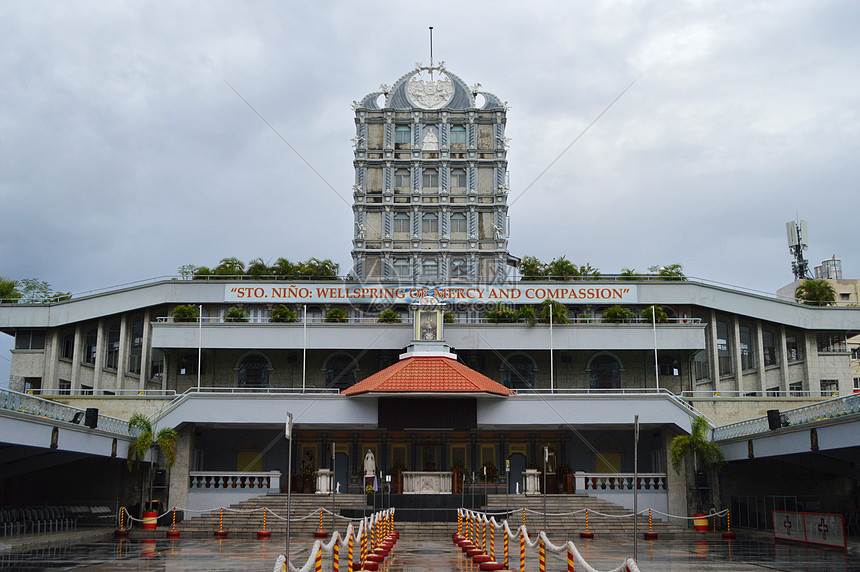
x: 369, y: 463
x: 428, y: 326
x: 430, y: 143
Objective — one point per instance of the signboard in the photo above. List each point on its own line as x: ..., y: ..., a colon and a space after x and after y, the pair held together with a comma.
x: 811, y: 527
x: 334, y: 293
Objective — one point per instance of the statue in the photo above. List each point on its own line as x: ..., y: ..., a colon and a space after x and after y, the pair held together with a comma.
x: 369, y: 464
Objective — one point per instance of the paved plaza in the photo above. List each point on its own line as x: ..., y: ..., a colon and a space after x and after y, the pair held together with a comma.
x: 418, y: 555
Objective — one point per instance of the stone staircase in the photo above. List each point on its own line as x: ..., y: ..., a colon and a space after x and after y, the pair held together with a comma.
x: 570, y: 526
x: 238, y: 522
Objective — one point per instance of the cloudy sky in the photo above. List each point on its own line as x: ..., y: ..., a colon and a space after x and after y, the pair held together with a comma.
x: 124, y: 154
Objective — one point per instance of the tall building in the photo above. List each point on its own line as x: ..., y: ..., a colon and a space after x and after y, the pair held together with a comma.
x: 430, y: 181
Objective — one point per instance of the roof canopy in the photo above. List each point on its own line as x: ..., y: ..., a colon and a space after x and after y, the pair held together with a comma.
x: 428, y: 374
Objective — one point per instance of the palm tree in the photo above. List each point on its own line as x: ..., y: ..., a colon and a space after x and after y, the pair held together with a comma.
x: 9, y: 290
x: 164, y: 441
x: 562, y: 268
x: 704, y: 452
x: 815, y: 293
x: 560, y: 314
x: 257, y: 268
x: 532, y: 267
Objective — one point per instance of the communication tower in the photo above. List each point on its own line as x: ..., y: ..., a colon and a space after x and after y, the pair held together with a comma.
x: 797, y: 243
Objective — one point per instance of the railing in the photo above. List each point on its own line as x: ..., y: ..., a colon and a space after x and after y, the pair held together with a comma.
x: 839, y: 407
x: 103, y: 392
x: 23, y: 403
x: 620, y: 481
x: 373, y: 320
x: 650, y: 391
x: 227, y: 480
x: 264, y: 390
x: 718, y: 394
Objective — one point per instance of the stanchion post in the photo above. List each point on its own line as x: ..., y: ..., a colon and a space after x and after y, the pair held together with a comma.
x: 506, y: 549
x: 541, y: 555
x: 569, y: 558
x: 318, y: 561
x: 288, y: 431
x: 522, y: 551
x: 349, y: 554
x: 335, y: 557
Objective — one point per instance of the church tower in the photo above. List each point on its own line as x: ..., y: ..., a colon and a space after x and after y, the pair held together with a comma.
x: 431, y: 185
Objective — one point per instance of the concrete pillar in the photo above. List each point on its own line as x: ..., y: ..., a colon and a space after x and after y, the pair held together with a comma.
x: 783, y: 360
x: 759, y: 357
x: 77, y: 357
x: 713, y: 355
x: 52, y: 357
x: 100, y: 355
x: 178, y: 484
x: 810, y: 362
x: 676, y: 483
x: 145, y: 350
x: 122, y: 357
x: 736, y: 350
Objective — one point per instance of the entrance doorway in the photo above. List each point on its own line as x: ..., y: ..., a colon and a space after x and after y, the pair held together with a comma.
x: 518, y: 465
x: 341, y: 471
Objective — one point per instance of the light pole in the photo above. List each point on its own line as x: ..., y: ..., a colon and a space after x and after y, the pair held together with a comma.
x: 635, y: 486
x: 545, y: 460
x: 331, y: 485
x: 289, y: 432
x: 507, y: 484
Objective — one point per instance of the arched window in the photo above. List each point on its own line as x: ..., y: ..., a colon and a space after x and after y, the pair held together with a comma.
x: 112, y: 353
x: 401, y: 178
x: 135, y: 346
x: 430, y: 178
x: 340, y: 371
x: 518, y: 372
x: 401, y: 222
x: 605, y: 373
x: 254, y: 371
x: 429, y: 223
x: 458, y: 223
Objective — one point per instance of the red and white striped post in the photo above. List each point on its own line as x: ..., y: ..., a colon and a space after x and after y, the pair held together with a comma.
x: 541, y: 555
x: 522, y: 552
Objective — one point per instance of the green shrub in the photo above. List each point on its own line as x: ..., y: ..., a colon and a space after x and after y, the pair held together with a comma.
x: 389, y: 316
x: 235, y: 314
x: 337, y: 315
x: 616, y: 314
x: 185, y: 313
x: 283, y: 313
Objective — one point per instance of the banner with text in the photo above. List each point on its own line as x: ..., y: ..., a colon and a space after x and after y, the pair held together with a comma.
x: 334, y: 293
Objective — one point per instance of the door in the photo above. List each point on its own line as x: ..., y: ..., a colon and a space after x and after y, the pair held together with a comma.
x: 341, y: 471
x: 518, y: 465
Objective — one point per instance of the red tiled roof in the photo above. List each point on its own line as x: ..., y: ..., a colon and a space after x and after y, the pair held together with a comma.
x: 428, y: 374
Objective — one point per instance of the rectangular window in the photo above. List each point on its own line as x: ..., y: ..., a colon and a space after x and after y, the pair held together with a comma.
x: 857, y: 385
x: 771, y: 356
x: 402, y: 137
x: 703, y: 370
x: 430, y: 223
x: 30, y: 340
x: 724, y: 352
x: 112, y: 353
x: 829, y: 387
x: 832, y: 343
x: 68, y: 349
x: 458, y: 179
x: 747, y: 356
x: 401, y: 223
x: 458, y: 137
x: 793, y: 348
x: 773, y: 391
x: 64, y: 387
x: 90, y: 347
x: 430, y: 178
x: 135, y: 347
x: 795, y: 389
x: 458, y: 223
x: 86, y: 390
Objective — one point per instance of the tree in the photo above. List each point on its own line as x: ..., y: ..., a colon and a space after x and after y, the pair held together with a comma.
x: 815, y: 293
x: 628, y: 274
x: 229, y: 267
x: 703, y: 452
x: 201, y: 272
x: 559, y: 312
x: 187, y: 271
x: 671, y: 272
x: 319, y: 269
x: 164, y: 441
x: 532, y: 267
x: 9, y: 292
x: 588, y: 272
x: 283, y: 268
x: 527, y: 314
x: 34, y: 290
x: 500, y: 313
x: 562, y: 268
x: 235, y: 314
x: 257, y: 268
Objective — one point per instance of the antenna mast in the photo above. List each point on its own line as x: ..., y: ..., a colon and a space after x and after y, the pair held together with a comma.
x: 431, y: 53
x: 797, y: 243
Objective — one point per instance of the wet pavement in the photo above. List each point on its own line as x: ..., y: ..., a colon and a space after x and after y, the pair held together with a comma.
x: 422, y: 554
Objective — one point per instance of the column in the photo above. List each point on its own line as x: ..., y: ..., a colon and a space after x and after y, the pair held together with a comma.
x: 736, y: 350
x: 52, y: 357
x: 122, y: 357
x: 178, y: 484
x: 676, y: 484
x: 145, y: 350
x: 783, y: 360
x: 77, y: 355
x: 714, y: 356
x: 810, y: 369
x: 100, y: 355
x: 759, y: 357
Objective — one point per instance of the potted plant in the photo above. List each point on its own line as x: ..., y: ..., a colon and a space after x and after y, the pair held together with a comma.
x: 617, y: 314
x: 337, y: 315
x: 146, y: 441
x: 185, y: 313
x: 695, y: 448
x: 389, y: 316
x: 449, y: 317
x: 283, y: 313
x: 235, y: 314
x: 652, y: 313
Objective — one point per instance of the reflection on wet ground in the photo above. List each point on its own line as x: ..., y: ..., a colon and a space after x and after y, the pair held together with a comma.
x: 423, y: 554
